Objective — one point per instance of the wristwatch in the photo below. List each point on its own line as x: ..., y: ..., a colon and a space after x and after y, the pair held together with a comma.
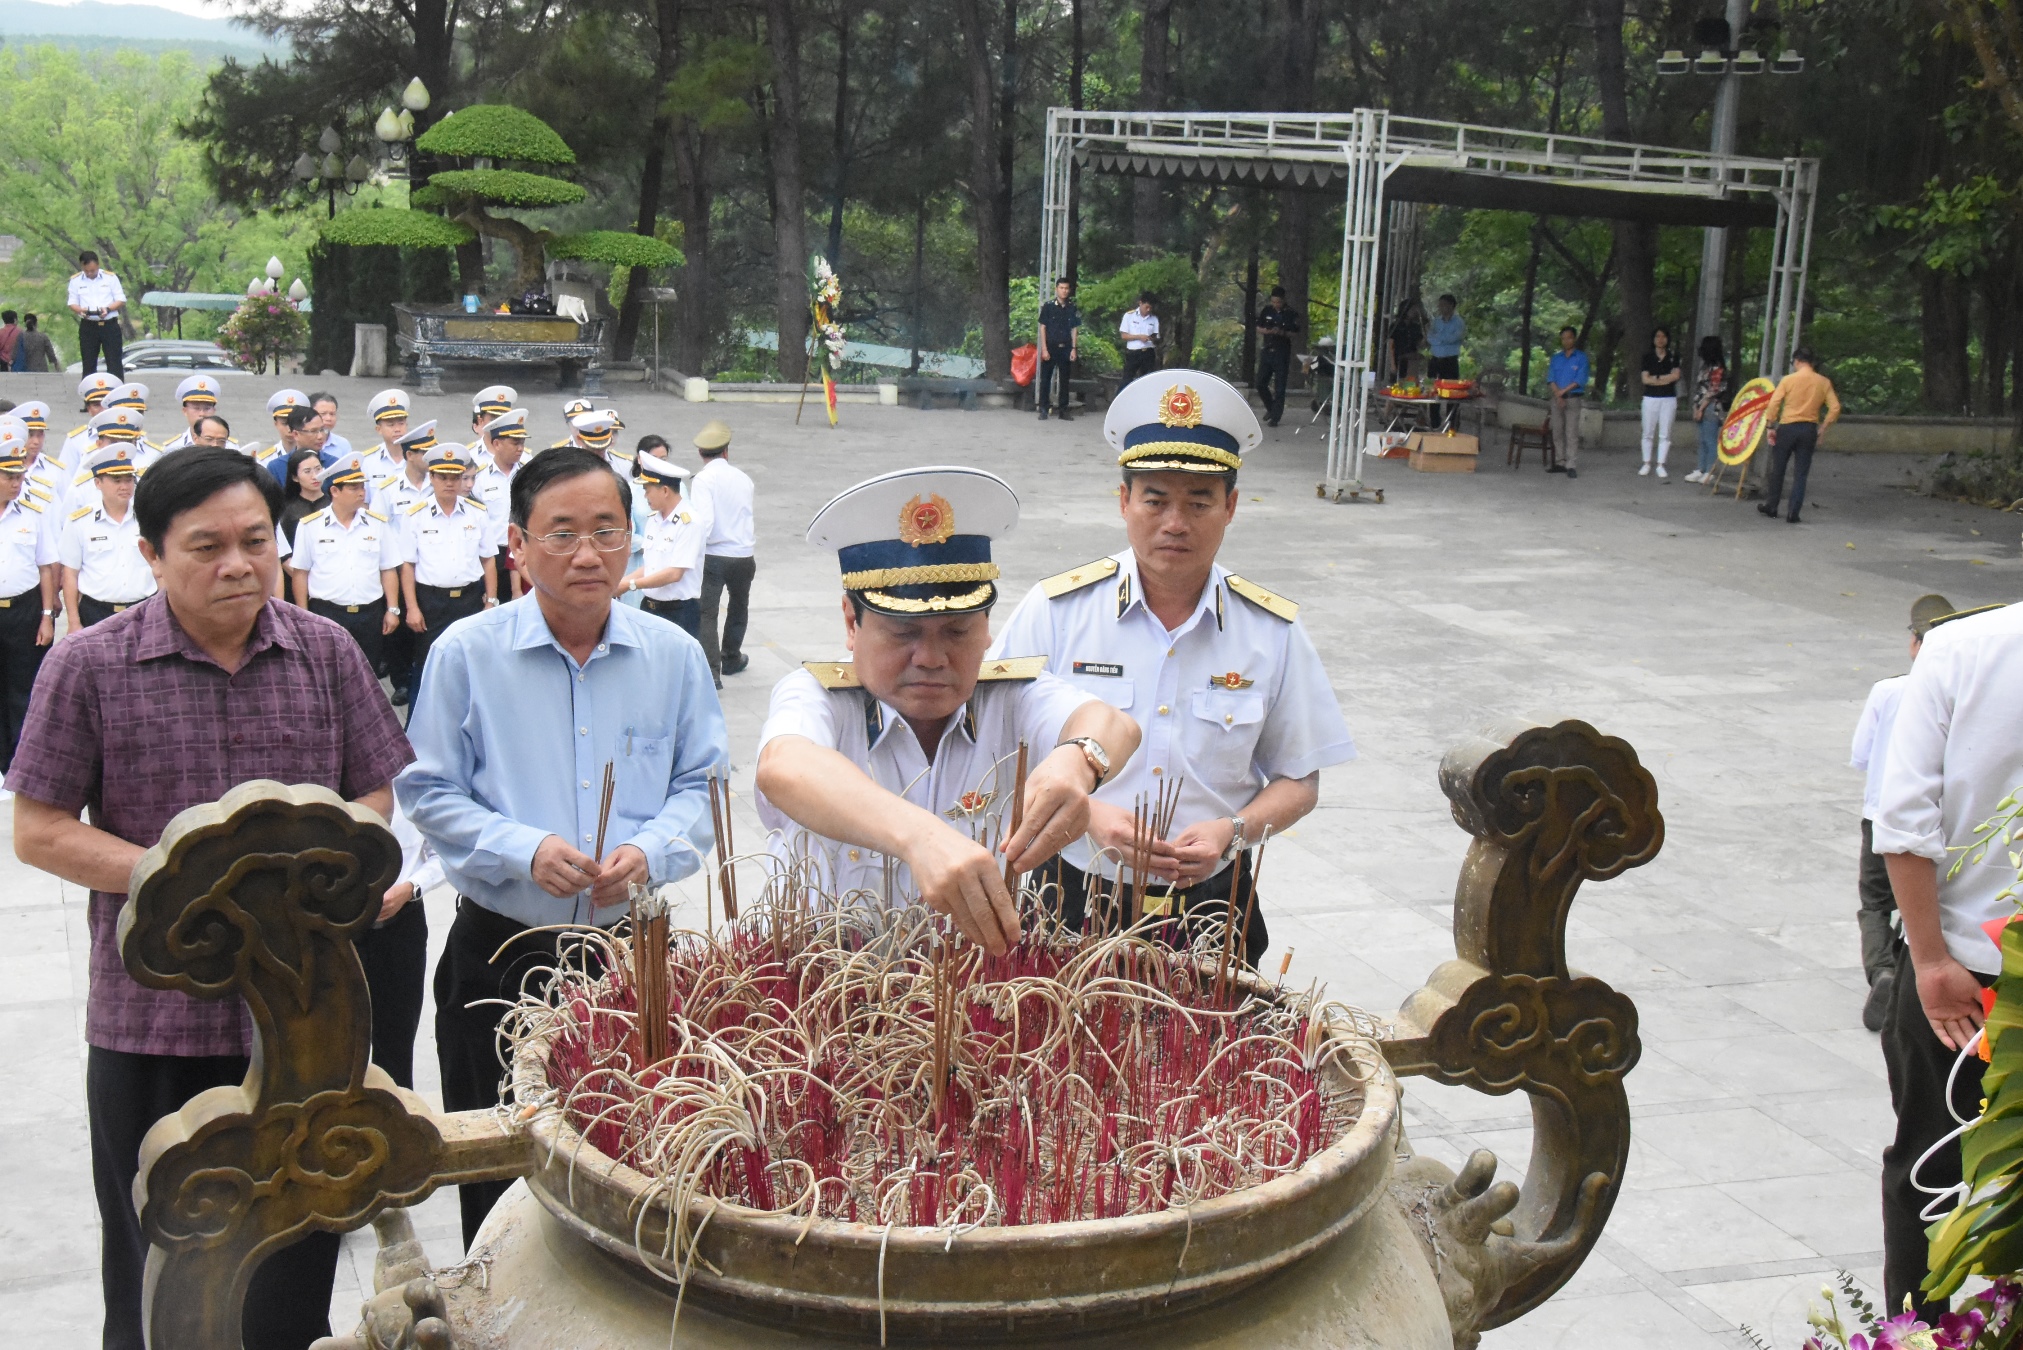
x: 1093, y: 751
x: 394, y: 610
x: 1237, y: 841
x: 48, y: 613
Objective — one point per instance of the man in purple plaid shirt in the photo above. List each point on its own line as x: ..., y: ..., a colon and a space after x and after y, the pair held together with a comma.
x: 209, y: 683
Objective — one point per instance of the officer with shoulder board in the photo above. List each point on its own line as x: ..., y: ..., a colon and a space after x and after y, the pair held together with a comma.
x: 448, y: 568
x: 346, y: 565
x: 43, y: 477
x: 388, y: 411
x: 489, y: 403
x: 1236, y: 706
x: 275, y: 457
x: 199, y: 398
x: 669, y: 576
x: 103, y: 570
x: 27, y: 586
x: 92, y: 389
x: 900, y: 752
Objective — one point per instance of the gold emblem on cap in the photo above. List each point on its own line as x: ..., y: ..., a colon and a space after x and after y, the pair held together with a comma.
x: 926, y: 522
x: 1180, y: 406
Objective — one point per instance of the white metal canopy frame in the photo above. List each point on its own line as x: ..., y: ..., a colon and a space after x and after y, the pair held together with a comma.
x: 1382, y: 161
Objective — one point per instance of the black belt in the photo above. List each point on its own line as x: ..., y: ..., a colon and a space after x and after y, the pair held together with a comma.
x: 34, y: 593
x: 454, y: 593
x: 116, y: 606
x: 352, y: 609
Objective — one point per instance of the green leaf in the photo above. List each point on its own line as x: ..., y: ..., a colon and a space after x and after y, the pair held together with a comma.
x: 620, y: 248
x: 508, y: 187
x: 404, y: 229
x: 496, y: 131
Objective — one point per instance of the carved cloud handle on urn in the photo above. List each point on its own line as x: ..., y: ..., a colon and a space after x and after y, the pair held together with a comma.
x: 1549, y: 808
x: 260, y: 896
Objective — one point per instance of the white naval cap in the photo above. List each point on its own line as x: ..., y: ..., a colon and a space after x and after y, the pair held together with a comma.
x: 449, y: 457
x: 13, y: 444
x: 342, y: 470
x: 387, y: 405
x: 654, y: 469
x: 512, y: 422
x: 111, y: 459
x: 97, y: 385
x: 572, y: 406
x: 494, y: 399
x: 197, y: 389
x: 1186, y: 420
x: 122, y: 424
x: 917, y: 541
x: 128, y: 395
x: 595, y: 427
x: 422, y: 437
x: 286, y: 401
x: 34, y: 414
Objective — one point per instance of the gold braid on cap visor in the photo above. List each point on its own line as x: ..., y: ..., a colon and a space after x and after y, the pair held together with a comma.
x: 1187, y: 450
x: 933, y: 604
x: 939, y: 574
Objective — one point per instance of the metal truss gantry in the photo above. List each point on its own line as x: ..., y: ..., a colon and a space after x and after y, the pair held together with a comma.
x: 1383, y: 162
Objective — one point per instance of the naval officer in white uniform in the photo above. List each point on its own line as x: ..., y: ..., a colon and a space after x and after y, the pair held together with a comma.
x: 1216, y: 669
x: 909, y: 750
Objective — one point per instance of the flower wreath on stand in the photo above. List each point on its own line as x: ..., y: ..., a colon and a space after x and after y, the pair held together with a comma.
x: 825, y: 293
x: 264, y: 328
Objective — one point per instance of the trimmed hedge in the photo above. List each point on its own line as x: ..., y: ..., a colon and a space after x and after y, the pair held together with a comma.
x: 496, y: 131
x: 392, y: 227
x: 620, y: 248
x: 507, y: 187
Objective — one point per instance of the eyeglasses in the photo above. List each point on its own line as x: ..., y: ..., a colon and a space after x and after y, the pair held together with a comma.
x: 562, y: 543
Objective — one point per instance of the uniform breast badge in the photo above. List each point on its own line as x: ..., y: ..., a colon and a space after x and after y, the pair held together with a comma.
x: 1233, y: 680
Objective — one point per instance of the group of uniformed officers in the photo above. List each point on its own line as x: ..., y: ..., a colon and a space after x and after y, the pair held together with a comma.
x: 497, y: 589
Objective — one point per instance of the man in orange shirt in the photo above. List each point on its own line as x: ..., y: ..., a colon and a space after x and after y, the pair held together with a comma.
x: 1795, y: 426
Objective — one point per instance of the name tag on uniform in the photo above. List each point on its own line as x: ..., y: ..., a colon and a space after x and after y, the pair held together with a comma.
x: 1109, y: 668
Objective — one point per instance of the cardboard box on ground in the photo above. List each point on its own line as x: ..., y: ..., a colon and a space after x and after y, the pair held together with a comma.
x: 1437, y: 452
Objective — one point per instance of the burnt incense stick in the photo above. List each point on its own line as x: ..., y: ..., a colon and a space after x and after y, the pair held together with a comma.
x: 604, y: 806
x: 1018, y: 805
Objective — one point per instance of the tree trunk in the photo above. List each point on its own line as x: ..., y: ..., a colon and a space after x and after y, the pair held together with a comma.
x: 523, y: 239
x: 1007, y: 127
x: 1524, y: 336
x: 1148, y: 194
x: 695, y: 305
x: 1943, y: 328
x: 839, y: 144
x: 790, y: 226
x: 1636, y: 245
x: 1997, y: 321
x: 989, y: 195
x: 1071, y: 266
x: 652, y: 173
x: 919, y: 279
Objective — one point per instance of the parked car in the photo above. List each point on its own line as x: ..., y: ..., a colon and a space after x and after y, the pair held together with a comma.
x: 173, y: 354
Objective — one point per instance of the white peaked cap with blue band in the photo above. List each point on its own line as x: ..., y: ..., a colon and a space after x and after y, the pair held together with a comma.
x: 917, y: 541
x: 1181, y: 420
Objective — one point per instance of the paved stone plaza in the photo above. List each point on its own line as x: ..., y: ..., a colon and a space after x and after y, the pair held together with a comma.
x: 1731, y: 651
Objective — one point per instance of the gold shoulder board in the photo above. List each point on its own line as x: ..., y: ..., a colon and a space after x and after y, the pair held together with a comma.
x: 30, y: 503
x: 81, y: 512
x: 420, y: 506
x: 833, y: 674
x: 76, y: 430
x: 388, y: 481
x: 1013, y: 668
x: 81, y: 479
x: 473, y: 501
x: 1265, y: 600
x: 376, y: 516
x: 1072, y: 580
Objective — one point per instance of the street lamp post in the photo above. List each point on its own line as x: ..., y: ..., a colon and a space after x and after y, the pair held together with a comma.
x: 332, y: 172
x: 1724, y: 55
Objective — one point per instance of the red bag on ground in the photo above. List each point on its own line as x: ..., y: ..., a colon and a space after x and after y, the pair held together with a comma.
x: 1025, y: 361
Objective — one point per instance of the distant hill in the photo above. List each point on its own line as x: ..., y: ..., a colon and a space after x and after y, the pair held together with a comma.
x: 148, y: 27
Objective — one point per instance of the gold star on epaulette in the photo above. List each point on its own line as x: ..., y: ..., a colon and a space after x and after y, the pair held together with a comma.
x: 833, y: 674
x: 1013, y: 668
x: 1088, y: 574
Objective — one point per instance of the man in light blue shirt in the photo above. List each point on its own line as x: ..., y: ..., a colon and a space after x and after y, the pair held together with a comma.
x: 1444, y: 332
x: 1567, y: 374
x: 520, y: 711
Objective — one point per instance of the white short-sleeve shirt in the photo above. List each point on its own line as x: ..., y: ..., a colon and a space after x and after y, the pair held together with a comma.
x: 1233, y: 698
x: 95, y: 295
x: 448, y: 548
x: 344, y: 563
x: 726, y: 492
x: 977, y: 759
x: 105, y: 553
x: 1142, y: 329
x: 1955, y: 752
x: 1870, y: 751
x: 27, y: 545
x: 675, y: 541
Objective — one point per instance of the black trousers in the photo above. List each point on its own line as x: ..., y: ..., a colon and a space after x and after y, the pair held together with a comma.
x: 1918, y: 1062
x: 720, y: 574
x: 1052, y: 367
x: 1205, y: 902
x: 363, y: 622
x: 101, y: 335
x: 20, y: 660
x: 1274, y: 369
x: 1139, y: 361
x: 1444, y: 368
x: 440, y: 607
x: 395, y: 958
x: 1795, y: 442
x: 1878, y: 909
x: 288, y: 1305
x: 90, y: 611
x: 466, y: 1037
x: 683, y: 614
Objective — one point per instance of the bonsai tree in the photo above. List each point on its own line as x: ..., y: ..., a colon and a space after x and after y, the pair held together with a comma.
x: 395, y: 227
x: 486, y: 134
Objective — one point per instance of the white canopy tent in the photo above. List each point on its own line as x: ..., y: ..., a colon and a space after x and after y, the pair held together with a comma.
x: 1387, y: 165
